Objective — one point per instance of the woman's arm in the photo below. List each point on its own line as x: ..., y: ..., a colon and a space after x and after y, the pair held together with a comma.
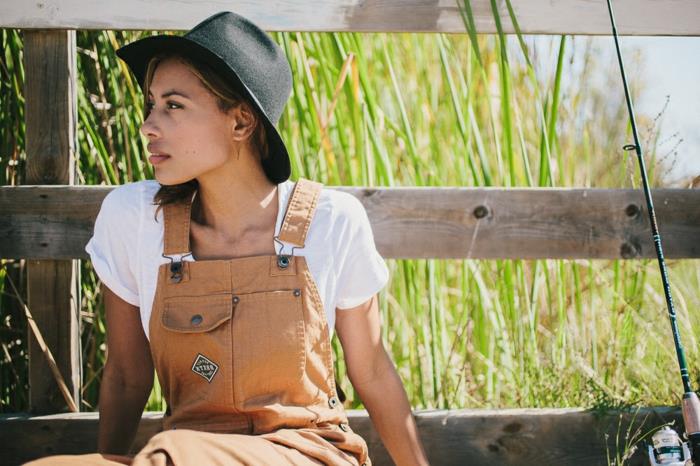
x: 374, y: 378
x: 127, y: 378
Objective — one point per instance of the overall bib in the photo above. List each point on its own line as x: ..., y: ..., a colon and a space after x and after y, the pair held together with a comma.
x: 242, y: 352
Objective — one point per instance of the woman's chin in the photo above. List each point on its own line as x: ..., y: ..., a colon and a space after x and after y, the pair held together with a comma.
x: 165, y: 180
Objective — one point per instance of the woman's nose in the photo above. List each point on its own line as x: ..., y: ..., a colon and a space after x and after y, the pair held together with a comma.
x: 149, y: 128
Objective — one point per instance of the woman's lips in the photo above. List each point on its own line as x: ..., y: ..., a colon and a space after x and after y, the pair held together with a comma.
x: 157, y: 158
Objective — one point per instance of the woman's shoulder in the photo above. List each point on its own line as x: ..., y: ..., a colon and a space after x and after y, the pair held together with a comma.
x: 341, y: 208
x: 336, y: 216
x: 133, y: 193
x: 117, y: 235
x: 129, y: 199
x: 336, y: 210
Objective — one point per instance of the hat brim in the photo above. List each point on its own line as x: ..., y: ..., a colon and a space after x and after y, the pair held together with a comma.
x: 137, y: 54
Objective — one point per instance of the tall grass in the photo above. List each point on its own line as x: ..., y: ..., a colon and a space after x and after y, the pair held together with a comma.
x: 424, y: 110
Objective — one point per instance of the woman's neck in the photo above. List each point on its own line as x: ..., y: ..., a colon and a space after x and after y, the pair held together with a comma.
x: 233, y: 209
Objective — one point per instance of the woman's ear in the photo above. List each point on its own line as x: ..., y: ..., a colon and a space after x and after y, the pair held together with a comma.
x: 243, y: 121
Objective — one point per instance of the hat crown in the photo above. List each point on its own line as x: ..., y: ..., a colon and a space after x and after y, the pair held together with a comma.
x: 257, y: 60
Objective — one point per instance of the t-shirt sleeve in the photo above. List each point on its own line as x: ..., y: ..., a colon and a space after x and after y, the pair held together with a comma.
x: 361, y: 270
x: 113, y: 246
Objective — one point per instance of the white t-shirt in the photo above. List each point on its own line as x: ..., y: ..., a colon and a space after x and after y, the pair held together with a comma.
x: 127, y: 245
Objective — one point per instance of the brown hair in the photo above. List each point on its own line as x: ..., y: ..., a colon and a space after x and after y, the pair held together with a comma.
x: 227, y: 93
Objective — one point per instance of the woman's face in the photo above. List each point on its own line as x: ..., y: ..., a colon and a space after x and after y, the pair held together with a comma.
x: 187, y: 132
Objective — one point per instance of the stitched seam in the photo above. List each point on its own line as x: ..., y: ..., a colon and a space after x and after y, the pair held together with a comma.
x: 298, y: 211
x: 309, y: 210
x: 294, y: 203
x: 169, y: 224
x: 285, y: 219
x: 309, y: 214
x: 294, y: 213
x: 301, y: 336
x: 180, y: 228
x: 155, y: 305
x: 304, y: 210
x: 326, y: 339
x: 166, y: 220
x: 185, y: 228
x: 177, y: 231
x: 290, y: 207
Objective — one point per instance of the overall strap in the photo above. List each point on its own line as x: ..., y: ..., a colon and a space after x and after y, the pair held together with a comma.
x: 176, y: 239
x: 300, y: 210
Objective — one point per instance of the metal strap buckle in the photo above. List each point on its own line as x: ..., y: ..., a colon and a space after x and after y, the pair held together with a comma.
x: 176, y: 267
x: 283, y: 259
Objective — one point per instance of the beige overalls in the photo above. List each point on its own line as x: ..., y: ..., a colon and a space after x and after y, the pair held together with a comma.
x: 242, y: 352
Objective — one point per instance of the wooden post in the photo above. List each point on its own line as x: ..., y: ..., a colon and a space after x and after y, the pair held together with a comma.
x: 53, y: 286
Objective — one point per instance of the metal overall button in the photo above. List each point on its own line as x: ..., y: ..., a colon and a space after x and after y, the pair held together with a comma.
x: 176, y: 272
x: 176, y: 267
x: 196, y: 319
x: 297, y: 292
x: 283, y: 261
x: 236, y: 299
x: 333, y: 402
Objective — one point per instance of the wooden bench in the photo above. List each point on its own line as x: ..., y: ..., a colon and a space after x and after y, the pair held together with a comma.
x: 571, y: 437
x: 48, y: 226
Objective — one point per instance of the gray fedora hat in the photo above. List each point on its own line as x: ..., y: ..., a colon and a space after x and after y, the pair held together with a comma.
x: 240, y: 51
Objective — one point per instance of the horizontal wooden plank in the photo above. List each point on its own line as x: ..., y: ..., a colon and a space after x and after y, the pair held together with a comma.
x: 48, y: 222
x: 509, y: 437
x: 634, y: 17
x: 55, y: 222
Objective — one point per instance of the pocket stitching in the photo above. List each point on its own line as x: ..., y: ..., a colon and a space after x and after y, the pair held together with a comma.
x: 167, y: 306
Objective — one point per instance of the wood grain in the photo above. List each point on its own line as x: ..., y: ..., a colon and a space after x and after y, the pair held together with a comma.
x: 44, y: 222
x: 53, y: 284
x: 508, y: 437
x: 633, y: 17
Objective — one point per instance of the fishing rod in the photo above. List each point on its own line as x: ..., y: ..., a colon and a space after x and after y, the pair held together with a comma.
x: 667, y: 450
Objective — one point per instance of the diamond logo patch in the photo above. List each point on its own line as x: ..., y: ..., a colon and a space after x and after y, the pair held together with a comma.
x: 205, y: 367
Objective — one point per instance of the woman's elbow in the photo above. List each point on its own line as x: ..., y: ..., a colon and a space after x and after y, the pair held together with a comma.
x: 120, y: 376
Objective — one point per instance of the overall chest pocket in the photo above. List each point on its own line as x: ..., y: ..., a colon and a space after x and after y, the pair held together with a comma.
x: 269, y: 347
x: 197, y: 359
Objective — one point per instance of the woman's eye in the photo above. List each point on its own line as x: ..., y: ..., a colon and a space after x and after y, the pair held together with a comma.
x: 171, y: 105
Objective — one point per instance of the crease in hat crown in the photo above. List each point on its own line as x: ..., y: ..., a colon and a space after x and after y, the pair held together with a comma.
x: 241, y: 51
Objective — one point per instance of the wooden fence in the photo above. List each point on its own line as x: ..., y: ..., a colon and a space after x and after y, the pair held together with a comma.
x: 49, y: 225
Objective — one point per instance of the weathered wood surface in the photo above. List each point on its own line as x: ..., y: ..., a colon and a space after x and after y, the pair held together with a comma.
x: 633, y: 17
x: 52, y: 285
x: 418, y: 222
x: 475, y: 437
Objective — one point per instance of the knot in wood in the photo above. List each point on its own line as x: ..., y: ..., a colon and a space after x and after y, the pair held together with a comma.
x: 481, y: 211
x: 632, y: 210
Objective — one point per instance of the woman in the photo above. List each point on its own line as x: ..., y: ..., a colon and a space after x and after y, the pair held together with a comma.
x: 225, y: 277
